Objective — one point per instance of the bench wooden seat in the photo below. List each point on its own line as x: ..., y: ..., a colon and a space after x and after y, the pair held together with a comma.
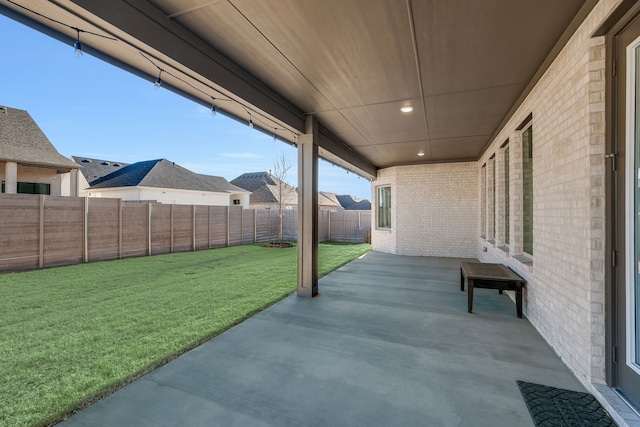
x: 490, y: 276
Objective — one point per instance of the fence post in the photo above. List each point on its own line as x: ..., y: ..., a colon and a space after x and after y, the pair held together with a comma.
x: 193, y: 225
x: 242, y: 226
x: 228, y: 226
x: 85, y: 230
x: 149, y: 229
x: 171, y: 228
x: 344, y: 226
x: 329, y: 227
x: 209, y: 228
x: 119, y: 228
x: 41, y: 236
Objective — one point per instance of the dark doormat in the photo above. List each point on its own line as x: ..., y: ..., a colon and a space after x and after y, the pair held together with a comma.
x: 556, y: 407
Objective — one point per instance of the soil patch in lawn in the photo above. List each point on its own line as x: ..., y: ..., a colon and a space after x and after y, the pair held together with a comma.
x: 280, y: 245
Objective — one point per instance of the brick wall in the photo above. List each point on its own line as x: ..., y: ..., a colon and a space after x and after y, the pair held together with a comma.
x: 564, y: 299
x: 434, y: 210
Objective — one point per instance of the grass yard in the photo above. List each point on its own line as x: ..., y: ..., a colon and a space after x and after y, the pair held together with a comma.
x: 70, y: 335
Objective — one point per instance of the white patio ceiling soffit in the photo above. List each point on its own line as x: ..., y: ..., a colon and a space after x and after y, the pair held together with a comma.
x: 463, y: 65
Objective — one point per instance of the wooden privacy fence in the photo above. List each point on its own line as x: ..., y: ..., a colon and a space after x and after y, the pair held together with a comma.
x: 46, y: 231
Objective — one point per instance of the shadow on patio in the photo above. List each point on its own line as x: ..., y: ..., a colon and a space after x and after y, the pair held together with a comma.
x: 388, y: 342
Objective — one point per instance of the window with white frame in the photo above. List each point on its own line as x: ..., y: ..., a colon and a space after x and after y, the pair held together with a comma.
x: 384, y: 207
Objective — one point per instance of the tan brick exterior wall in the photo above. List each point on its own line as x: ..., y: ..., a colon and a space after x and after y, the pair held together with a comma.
x: 564, y: 299
x: 434, y: 210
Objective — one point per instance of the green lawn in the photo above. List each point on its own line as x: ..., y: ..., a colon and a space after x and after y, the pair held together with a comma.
x: 70, y: 335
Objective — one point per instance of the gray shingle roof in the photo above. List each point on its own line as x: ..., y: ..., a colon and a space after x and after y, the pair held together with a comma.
x: 264, y: 188
x: 222, y: 183
x: 350, y: 203
x: 159, y: 173
x: 251, y: 181
x: 22, y: 141
x: 93, y: 169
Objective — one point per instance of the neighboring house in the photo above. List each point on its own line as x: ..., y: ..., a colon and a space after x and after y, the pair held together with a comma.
x: 265, y: 192
x: 29, y: 163
x: 159, y: 181
x: 328, y: 201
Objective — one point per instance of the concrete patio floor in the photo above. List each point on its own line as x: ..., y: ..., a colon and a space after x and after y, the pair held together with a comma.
x: 388, y: 342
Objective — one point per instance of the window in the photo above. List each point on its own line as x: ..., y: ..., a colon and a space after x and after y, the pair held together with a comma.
x: 506, y: 196
x: 384, y: 207
x: 494, y: 200
x: 483, y: 201
x: 236, y: 201
x: 31, y: 188
x: 527, y: 184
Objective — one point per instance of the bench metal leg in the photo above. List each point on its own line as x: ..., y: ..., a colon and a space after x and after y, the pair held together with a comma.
x: 470, y: 295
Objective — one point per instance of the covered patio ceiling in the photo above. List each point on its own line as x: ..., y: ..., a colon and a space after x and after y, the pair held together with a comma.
x: 463, y: 65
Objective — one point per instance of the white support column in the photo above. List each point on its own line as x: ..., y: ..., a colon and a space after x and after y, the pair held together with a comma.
x: 56, y: 185
x: 308, y: 210
x: 73, y: 183
x: 11, y: 178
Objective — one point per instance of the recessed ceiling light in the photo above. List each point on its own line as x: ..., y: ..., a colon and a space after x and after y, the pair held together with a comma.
x: 406, y: 109
x: 421, y: 153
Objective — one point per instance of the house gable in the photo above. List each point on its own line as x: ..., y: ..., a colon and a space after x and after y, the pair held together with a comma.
x: 23, y: 142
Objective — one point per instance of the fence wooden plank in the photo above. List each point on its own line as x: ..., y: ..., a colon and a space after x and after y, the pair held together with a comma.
x: 161, y: 229
x: 20, y: 232
x: 193, y: 227
x: 219, y: 218
x: 41, y: 234
x: 85, y: 230
x: 235, y: 225
x: 134, y: 230
x: 103, y: 229
x: 119, y: 228
x: 209, y: 228
x: 46, y: 231
x: 63, y: 231
x: 182, y: 228
x: 247, y: 216
x: 202, y: 227
x: 172, y: 229
x: 149, y: 229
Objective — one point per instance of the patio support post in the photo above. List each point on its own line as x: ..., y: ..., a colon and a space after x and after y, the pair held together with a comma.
x: 308, y: 210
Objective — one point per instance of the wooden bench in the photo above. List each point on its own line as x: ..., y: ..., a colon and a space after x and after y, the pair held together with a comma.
x: 490, y: 276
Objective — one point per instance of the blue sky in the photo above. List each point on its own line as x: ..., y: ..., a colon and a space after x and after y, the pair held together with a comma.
x: 89, y: 108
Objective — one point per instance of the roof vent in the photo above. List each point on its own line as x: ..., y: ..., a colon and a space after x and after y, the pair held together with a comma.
x: 117, y: 165
x: 105, y: 163
x: 3, y: 109
x: 86, y: 161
